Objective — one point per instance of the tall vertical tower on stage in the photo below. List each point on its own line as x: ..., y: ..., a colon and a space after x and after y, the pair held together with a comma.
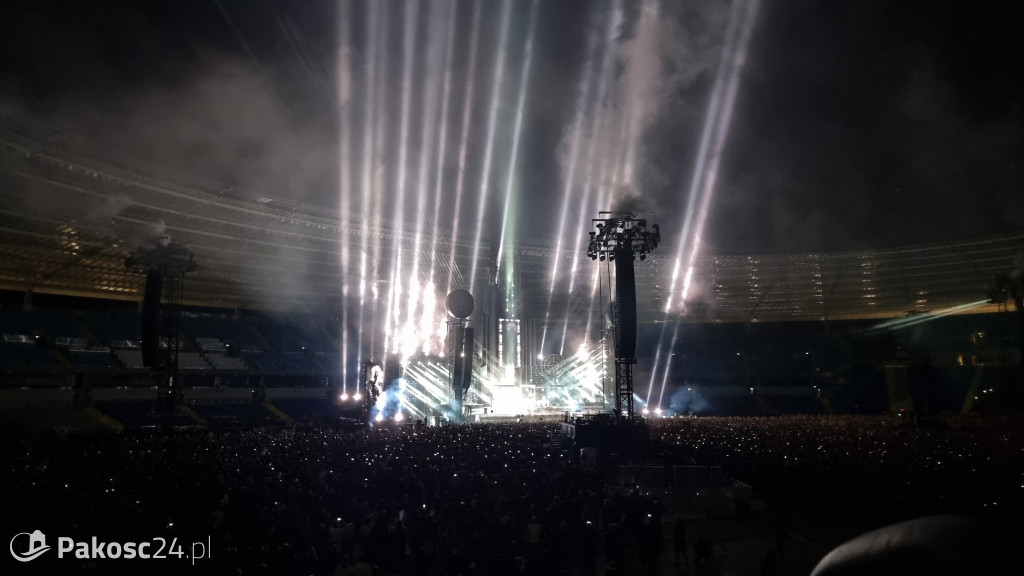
x: 165, y: 264
x: 508, y: 329
x: 620, y: 239
x: 459, y: 347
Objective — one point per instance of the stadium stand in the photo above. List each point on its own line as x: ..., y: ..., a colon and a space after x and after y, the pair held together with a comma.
x: 25, y: 354
x: 143, y: 414
x: 311, y: 410
x: 47, y: 323
x: 213, y: 327
x: 289, y: 362
x: 236, y: 415
x: 93, y: 359
x: 129, y: 358
x: 280, y: 334
x: 312, y: 333
x: 210, y: 345
x: 116, y: 330
x: 332, y: 362
x: 221, y: 362
x: 192, y: 361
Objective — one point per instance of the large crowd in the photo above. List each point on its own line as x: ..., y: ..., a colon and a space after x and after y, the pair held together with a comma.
x: 496, y: 498
x: 872, y: 467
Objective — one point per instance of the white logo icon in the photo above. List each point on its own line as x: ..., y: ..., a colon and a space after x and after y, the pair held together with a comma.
x: 36, y: 546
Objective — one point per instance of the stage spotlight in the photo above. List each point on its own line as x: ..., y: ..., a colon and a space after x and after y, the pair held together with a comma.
x: 602, y: 257
x: 399, y: 417
x: 657, y: 410
x: 646, y: 411
x: 611, y: 257
x: 643, y: 256
x: 343, y: 396
x: 357, y: 396
x: 379, y: 417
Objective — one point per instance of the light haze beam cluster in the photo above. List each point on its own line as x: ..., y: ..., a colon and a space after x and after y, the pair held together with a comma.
x: 435, y: 100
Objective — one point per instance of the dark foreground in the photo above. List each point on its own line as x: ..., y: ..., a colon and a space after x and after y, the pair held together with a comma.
x: 494, y: 499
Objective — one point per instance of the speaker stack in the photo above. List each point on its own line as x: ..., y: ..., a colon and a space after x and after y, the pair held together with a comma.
x: 460, y: 304
x: 151, y: 319
x: 625, y: 303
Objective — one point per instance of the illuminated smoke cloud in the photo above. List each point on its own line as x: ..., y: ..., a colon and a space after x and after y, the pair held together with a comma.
x: 660, y: 50
x: 686, y: 400
x: 390, y: 401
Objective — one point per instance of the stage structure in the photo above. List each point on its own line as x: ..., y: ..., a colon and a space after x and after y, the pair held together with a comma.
x: 573, y: 383
x: 620, y: 238
x: 165, y: 264
x: 373, y: 385
x: 459, y: 347
x: 381, y: 390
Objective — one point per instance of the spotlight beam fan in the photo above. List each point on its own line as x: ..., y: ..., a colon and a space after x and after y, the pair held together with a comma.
x: 492, y: 120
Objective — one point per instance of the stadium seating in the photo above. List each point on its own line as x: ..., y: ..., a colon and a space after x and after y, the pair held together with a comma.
x: 210, y: 344
x: 129, y: 358
x: 221, y: 362
x: 294, y: 334
x: 192, y: 361
x: 332, y: 362
x: 310, y: 409
x: 236, y: 415
x: 230, y: 332
x: 289, y: 362
x: 25, y: 354
x: 93, y: 359
x: 280, y: 335
x: 51, y: 324
x: 144, y: 414
x: 113, y: 330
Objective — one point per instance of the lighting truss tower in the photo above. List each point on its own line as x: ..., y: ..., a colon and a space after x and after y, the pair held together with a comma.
x: 459, y: 347
x: 165, y: 264
x: 620, y: 238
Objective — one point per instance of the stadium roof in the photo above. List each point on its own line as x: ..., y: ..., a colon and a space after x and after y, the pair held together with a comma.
x: 72, y: 232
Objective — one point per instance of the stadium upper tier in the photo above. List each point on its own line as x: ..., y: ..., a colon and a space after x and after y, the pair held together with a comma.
x: 68, y: 222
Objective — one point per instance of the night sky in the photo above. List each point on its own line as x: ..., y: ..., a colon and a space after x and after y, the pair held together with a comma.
x: 857, y: 124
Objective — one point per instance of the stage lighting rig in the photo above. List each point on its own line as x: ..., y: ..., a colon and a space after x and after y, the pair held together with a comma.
x: 164, y: 256
x: 622, y: 235
x: 619, y: 238
x: 165, y: 264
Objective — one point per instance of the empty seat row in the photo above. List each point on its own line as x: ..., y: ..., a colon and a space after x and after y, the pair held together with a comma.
x: 130, y: 358
x: 25, y: 354
x: 93, y: 359
x: 192, y: 361
x: 222, y: 362
x: 210, y: 344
